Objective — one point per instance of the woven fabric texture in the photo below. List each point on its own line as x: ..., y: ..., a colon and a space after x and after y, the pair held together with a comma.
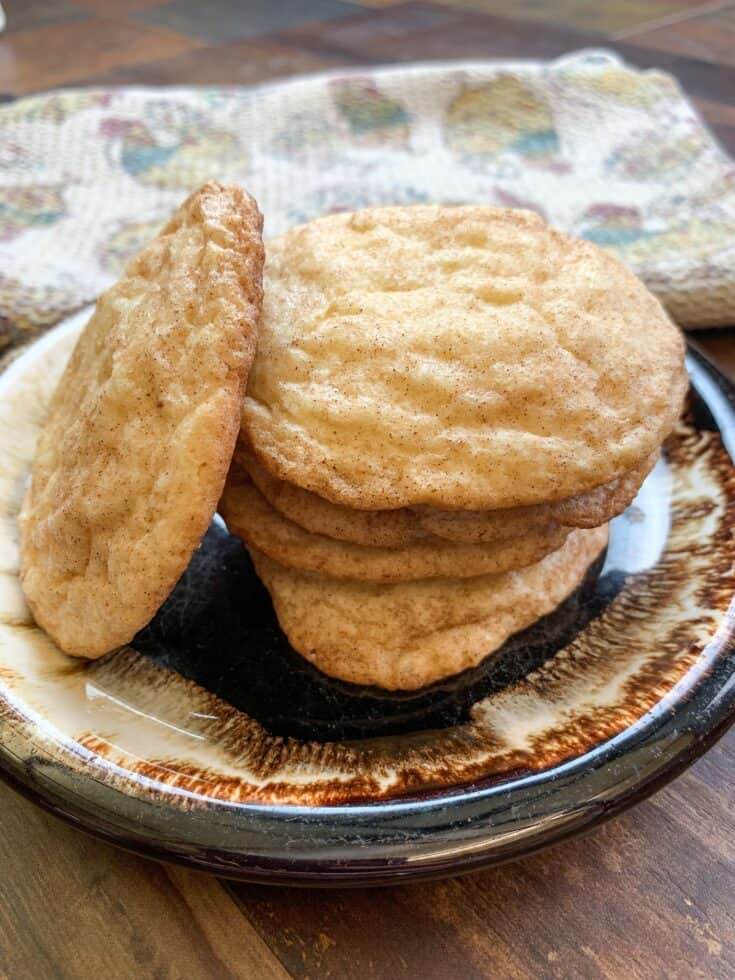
x: 614, y: 154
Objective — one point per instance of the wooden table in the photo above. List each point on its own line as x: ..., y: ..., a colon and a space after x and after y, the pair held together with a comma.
x: 651, y: 894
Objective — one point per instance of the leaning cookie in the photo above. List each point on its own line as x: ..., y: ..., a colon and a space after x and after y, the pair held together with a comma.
x: 132, y: 458
x: 249, y: 515
x: 407, y: 635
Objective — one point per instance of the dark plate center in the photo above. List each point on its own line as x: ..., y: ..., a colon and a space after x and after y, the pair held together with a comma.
x: 218, y: 628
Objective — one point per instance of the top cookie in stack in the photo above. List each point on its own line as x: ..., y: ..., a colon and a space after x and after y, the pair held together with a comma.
x: 441, y: 393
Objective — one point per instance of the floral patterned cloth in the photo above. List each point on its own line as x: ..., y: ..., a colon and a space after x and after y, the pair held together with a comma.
x: 616, y: 155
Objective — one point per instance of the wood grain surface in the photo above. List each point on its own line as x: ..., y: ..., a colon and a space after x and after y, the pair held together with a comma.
x: 649, y: 895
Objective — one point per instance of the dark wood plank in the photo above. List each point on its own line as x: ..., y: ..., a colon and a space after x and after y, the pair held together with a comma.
x: 424, y: 31
x: 628, y: 902
x: 22, y: 15
x: 604, y: 18
x: 36, y: 59
x: 117, y: 7
x: 241, y: 63
x: 719, y: 346
x: 219, y: 21
x: 647, y: 895
x: 75, y: 908
x: 707, y: 37
x: 375, y: 4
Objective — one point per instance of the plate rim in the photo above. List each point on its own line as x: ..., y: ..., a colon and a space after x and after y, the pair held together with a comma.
x: 345, y: 872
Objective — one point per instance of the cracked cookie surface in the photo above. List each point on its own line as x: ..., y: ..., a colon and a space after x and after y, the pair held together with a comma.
x: 463, y: 358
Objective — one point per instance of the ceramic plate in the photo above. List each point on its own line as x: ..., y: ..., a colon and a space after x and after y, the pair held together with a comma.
x: 209, y: 741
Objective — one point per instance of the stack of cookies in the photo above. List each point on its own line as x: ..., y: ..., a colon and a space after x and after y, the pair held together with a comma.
x: 446, y: 407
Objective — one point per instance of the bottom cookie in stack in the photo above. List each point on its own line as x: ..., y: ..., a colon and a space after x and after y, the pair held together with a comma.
x: 410, y: 634
x: 402, y: 618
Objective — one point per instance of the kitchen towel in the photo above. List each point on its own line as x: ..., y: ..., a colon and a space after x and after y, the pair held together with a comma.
x: 614, y: 154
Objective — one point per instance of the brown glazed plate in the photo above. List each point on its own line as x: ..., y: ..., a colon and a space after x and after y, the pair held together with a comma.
x: 209, y: 742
